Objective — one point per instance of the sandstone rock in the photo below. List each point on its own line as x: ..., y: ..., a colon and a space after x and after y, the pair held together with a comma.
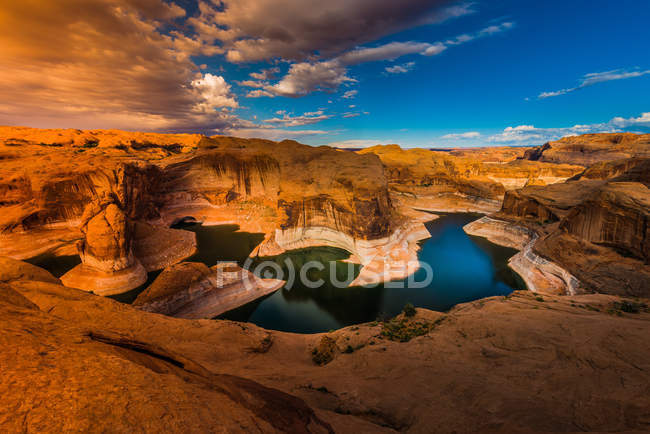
x: 618, y: 216
x: 590, y: 149
x: 108, y: 264
x: 628, y: 170
x: 460, y: 181
x: 12, y: 269
x: 128, y: 370
x: 192, y: 290
x: 62, y: 375
x: 594, y: 230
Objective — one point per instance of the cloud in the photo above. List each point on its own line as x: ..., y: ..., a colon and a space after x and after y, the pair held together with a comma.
x: 346, y: 144
x: 531, y: 135
x: 265, y: 74
x: 595, y: 78
x: 258, y: 93
x: 257, y: 30
x: 400, y: 69
x: 273, y: 133
x: 106, y: 64
x: 215, y: 92
x: 304, y: 78
x: 388, y: 51
x: 462, y: 136
x: 294, y: 121
x: 350, y: 94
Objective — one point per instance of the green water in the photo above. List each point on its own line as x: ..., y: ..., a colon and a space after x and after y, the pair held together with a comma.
x: 221, y: 243
x: 57, y: 265
x: 465, y: 268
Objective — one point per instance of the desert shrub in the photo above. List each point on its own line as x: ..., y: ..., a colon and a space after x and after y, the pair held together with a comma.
x: 325, y: 351
x: 404, y: 330
x: 628, y: 306
x: 409, y: 310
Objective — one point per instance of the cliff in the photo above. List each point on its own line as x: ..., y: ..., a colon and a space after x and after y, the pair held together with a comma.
x: 145, y: 182
x: 467, y: 180
x: 589, y: 149
x: 596, y: 230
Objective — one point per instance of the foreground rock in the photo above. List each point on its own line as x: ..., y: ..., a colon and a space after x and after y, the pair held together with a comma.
x: 61, y: 375
x: 192, y: 290
x: 75, y: 361
x: 107, y: 262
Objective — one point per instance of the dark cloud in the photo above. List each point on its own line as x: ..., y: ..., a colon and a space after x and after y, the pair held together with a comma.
x: 255, y: 30
x: 105, y: 63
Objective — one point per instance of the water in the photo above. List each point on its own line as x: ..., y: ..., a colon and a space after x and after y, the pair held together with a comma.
x: 56, y: 265
x: 465, y: 268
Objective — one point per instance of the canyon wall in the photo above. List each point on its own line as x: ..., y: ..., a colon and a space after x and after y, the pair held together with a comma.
x: 462, y: 180
x: 589, y: 149
x: 595, y: 229
x: 51, y: 177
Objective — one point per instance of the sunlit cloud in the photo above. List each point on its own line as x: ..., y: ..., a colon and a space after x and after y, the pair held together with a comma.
x: 595, y: 78
x: 304, y: 78
x: 400, y: 69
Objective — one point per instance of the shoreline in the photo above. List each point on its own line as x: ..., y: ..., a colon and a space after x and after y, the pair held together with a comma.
x: 541, y: 275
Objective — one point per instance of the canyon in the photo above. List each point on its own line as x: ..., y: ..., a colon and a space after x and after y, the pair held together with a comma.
x: 577, y: 210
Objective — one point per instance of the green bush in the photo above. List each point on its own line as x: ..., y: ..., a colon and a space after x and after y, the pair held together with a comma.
x: 324, y: 352
x: 409, y: 310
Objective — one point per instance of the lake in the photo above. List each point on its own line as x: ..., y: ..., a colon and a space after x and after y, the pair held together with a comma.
x: 465, y: 268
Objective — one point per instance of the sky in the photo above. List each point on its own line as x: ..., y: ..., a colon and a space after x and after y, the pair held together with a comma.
x: 348, y: 73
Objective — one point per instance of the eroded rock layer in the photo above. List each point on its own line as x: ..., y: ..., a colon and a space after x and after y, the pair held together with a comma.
x: 73, y: 361
x: 590, y: 149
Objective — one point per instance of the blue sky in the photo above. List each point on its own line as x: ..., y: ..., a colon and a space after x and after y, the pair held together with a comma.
x: 489, y: 84
x: 434, y: 73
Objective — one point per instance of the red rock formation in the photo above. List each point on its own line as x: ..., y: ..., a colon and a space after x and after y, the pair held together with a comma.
x: 73, y: 361
x: 590, y: 149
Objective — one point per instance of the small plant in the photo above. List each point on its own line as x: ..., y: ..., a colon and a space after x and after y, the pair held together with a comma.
x: 91, y: 143
x: 409, y: 310
x: 348, y: 350
x: 324, y: 352
x: 404, y: 330
x: 630, y: 306
x: 264, y: 346
x: 540, y: 298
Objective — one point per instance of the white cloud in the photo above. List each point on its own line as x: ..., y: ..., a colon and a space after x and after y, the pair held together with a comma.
x: 531, y: 135
x: 306, y: 77
x: 258, y: 93
x: 273, y: 133
x: 462, y: 136
x: 595, y: 78
x: 388, y: 51
x: 215, y: 93
x: 294, y: 121
x: 346, y: 144
x: 348, y: 95
x: 265, y: 74
x: 400, y: 69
